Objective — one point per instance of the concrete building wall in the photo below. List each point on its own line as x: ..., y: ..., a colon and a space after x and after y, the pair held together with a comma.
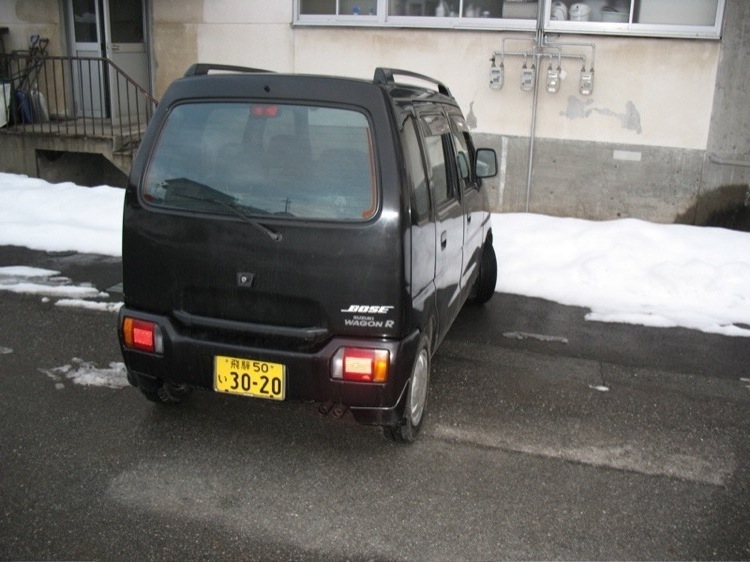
x: 725, y: 181
x: 250, y: 33
x: 635, y: 148
x: 660, y: 137
x: 24, y: 18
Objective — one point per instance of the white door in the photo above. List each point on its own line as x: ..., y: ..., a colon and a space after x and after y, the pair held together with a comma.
x: 90, y: 94
x: 125, y: 46
x: 116, y: 30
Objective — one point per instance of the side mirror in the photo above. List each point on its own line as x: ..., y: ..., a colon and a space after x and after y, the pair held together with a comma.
x: 486, y: 163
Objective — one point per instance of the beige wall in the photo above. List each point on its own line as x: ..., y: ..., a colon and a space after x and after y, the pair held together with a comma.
x: 250, y: 32
x: 24, y: 18
x: 648, y: 92
x: 636, y: 147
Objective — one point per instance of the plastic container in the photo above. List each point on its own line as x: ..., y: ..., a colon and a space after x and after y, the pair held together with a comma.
x: 580, y: 12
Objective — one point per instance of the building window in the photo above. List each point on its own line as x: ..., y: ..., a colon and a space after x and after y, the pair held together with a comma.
x: 338, y: 7
x: 654, y: 18
x: 471, y: 14
x: 660, y: 18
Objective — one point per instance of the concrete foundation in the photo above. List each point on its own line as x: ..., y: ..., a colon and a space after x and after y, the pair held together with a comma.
x: 84, y: 160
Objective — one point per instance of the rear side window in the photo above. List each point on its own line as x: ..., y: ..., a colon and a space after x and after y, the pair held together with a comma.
x: 463, y: 147
x: 419, y: 188
x: 264, y: 159
x: 438, y: 132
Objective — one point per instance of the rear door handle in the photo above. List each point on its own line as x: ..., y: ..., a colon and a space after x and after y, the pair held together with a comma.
x: 443, y: 239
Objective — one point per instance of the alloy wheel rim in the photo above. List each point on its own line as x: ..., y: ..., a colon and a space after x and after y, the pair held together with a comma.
x: 419, y: 388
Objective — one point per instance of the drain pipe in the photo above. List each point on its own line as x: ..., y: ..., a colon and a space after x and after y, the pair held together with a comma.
x: 716, y: 159
x: 539, y: 44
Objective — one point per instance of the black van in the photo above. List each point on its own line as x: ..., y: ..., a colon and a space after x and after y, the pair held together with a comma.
x: 303, y: 237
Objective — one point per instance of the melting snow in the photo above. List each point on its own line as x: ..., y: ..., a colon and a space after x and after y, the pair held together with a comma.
x: 88, y: 374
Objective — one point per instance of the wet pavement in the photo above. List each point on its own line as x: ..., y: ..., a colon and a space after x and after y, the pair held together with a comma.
x: 548, y: 437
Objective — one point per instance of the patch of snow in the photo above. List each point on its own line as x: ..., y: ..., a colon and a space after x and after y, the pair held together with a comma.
x: 47, y: 283
x: 26, y: 272
x: 629, y: 270
x: 69, y: 291
x: 58, y: 217
x: 89, y: 305
x: 88, y: 374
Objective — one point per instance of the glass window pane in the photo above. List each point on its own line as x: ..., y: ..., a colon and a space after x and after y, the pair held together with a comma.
x: 676, y: 12
x: 611, y: 11
x: 521, y: 10
x: 483, y: 9
x: 442, y: 188
x: 126, y: 21
x: 84, y: 21
x: 420, y: 196
x: 432, y: 8
x: 449, y: 8
x: 358, y: 7
x: 263, y: 159
x: 318, y: 7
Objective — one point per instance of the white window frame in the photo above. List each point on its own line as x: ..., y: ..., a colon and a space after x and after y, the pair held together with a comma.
x: 712, y: 31
x: 382, y: 19
x: 630, y: 28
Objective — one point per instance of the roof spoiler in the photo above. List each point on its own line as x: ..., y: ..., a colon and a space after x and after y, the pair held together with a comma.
x: 385, y: 76
x: 201, y: 69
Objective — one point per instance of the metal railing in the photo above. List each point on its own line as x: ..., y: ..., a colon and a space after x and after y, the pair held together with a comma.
x: 73, y: 96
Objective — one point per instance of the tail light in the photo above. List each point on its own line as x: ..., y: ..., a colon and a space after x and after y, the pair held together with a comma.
x: 357, y: 364
x: 142, y: 335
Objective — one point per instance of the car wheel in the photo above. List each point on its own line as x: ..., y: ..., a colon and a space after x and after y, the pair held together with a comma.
x: 162, y: 392
x: 487, y: 279
x: 416, y: 398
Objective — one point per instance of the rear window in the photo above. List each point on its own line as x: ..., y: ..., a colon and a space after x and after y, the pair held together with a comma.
x: 264, y: 159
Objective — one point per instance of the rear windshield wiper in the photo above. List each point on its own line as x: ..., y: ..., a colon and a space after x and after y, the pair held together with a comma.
x: 217, y: 198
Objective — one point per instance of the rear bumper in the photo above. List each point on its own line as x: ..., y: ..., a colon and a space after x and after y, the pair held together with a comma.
x: 188, y: 358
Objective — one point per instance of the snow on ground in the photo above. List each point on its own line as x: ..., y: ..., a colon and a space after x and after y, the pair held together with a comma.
x: 623, y: 271
x: 88, y: 374
x: 629, y: 270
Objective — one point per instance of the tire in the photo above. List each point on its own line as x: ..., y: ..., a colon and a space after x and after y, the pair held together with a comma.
x: 162, y: 392
x: 487, y: 279
x: 407, y: 429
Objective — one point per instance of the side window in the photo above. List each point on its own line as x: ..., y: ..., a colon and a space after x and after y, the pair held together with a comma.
x: 462, y: 157
x: 464, y: 148
x: 437, y: 144
x: 442, y: 188
x: 420, y: 192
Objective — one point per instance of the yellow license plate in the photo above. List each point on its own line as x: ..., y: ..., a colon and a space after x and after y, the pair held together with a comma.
x: 249, y: 377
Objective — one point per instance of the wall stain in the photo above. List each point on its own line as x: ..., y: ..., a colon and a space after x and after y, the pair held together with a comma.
x: 471, y: 118
x: 577, y: 109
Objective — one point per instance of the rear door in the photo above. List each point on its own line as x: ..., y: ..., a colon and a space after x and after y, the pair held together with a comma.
x: 423, y: 237
x: 267, y: 214
x: 471, y: 198
x: 448, y: 214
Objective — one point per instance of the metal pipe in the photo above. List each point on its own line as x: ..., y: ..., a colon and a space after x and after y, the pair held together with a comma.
x: 540, y: 55
x: 538, y: 50
x: 728, y: 161
x: 591, y: 46
x: 532, y: 143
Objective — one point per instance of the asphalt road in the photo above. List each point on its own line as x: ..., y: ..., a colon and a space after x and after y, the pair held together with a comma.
x: 548, y: 437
